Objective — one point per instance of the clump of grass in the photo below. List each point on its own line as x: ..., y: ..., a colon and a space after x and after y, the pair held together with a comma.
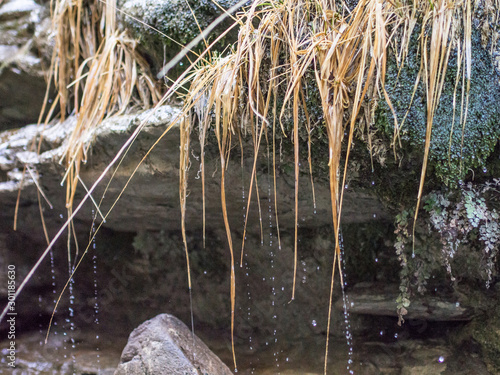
x: 345, y: 47
x: 97, y: 73
x: 347, y: 50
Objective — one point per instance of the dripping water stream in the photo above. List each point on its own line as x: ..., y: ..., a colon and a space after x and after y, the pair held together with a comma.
x: 70, y: 320
x: 346, y: 306
x: 271, y: 260
x: 96, y: 292
x: 54, y: 329
x: 247, y: 268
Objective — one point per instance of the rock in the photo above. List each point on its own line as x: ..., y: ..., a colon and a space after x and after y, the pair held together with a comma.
x: 151, y: 201
x: 173, y: 18
x: 12, y: 10
x: 164, y: 345
x: 22, y: 82
x: 431, y: 369
x: 34, y: 357
x: 380, y: 299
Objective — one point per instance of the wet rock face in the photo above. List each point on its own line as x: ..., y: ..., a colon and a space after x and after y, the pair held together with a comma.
x: 379, y: 300
x: 151, y: 200
x: 164, y: 345
x: 22, y: 83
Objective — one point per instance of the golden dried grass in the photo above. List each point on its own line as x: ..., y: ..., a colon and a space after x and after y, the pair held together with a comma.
x: 346, y: 49
x: 97, y: 74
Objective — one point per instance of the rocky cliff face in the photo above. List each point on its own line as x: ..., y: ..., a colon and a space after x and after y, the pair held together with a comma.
x: 23, y: 61
x: 140, y: 262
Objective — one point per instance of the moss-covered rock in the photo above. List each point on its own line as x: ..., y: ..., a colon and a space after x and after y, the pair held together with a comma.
x: 163, y: 27
x: 456, y: 149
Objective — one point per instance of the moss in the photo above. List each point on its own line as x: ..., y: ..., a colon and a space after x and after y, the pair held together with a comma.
x: 175, y: 19
x: 455, y: 150
x: 486, y: 332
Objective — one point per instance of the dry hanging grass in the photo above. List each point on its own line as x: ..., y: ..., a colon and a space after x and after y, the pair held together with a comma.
x: 97, y: 73
x: 347, y: 50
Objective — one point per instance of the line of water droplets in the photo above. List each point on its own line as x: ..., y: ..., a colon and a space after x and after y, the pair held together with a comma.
x: 247, y: 267
x: 271, y: 260
x: 96, y: 293
x: 70, y: 319
x: 346, y: 307
x: 54, y: 299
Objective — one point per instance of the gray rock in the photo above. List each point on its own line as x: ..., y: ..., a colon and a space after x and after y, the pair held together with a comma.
x: 380, y: 299
x: 151, y: 200
x: 22, y: 82
x: 164, y: 345
x: 15, y: 9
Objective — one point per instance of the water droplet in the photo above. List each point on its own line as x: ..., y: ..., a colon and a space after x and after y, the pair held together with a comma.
x: 457, y: 304
x: 314, y: 323
x: 441, y: 359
